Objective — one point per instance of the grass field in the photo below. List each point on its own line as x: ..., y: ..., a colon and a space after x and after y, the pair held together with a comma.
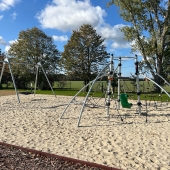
x: 72, y: 87
x: 145, y: 86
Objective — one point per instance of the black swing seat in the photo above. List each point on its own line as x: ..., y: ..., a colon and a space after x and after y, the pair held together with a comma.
x: 124, y: 101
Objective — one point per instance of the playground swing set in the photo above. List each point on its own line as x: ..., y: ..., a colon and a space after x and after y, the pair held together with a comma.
x: 38, y: 65
x: 122, y: 98
x: 110, y: 72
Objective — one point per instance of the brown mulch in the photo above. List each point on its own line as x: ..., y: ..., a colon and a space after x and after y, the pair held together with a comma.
x: 18, y: 158
x: 15, y: 159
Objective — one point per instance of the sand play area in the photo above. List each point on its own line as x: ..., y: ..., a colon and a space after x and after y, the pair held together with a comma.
x: 132, y: 144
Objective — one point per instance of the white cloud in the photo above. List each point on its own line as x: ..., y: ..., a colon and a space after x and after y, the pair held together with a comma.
x: 13, y: 41
x: 60, y: 38
x: 66, y: 15
x: 2, y: 41
x: 1, y: 16
x: 121, y: 45
x: 114, y: 34
x: 7, y: 4
x: 111, y: 32
x: 7, y: 48
x: 14, y: 15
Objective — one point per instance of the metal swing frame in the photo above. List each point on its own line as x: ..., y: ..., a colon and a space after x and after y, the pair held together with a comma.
x: 7, y: 62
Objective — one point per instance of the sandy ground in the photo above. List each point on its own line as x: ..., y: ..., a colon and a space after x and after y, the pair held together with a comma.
x: 7, y: 92
x: 129, y: 144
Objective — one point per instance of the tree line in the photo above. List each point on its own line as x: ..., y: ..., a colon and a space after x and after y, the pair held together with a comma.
x: 82, y: 56
x: 85, y: 53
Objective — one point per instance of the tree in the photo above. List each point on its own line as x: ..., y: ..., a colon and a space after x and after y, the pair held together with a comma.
x: 34, y: 46
x: 166, y: 63
x: 5, y: 73
x: 84, y: 53
x: 149, y: 23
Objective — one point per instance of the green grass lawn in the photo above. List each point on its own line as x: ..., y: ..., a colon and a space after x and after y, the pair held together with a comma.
x: 144, y: 96
x: 72, y: 87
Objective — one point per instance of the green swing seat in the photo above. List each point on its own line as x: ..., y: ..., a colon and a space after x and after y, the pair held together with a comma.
x: 124, y: 101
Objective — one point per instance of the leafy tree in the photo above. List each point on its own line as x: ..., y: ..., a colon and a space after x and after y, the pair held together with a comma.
x: 84, y: 53
x: 149, y: 23
x: 5, y: 74
x: 166, y: 63
x: 34, y: 46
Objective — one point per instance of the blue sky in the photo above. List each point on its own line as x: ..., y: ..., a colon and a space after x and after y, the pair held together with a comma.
x: 57, y: 18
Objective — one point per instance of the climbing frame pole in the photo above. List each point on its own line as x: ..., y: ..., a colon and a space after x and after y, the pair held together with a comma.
x: 119, y: 76
x: 110, y: 79
x: 84, y: 102
x: 137, y: 84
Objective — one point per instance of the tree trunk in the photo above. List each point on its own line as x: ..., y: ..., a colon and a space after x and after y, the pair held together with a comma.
x: 157, y: 79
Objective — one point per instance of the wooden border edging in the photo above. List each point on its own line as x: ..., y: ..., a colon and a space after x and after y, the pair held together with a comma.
x: 75, y: 161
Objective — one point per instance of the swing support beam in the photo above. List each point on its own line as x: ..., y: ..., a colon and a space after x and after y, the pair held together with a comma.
x: 36, y: 78
x: 6, y: 61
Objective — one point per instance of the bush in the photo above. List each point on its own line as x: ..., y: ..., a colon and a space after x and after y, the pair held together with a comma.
x: 44, y: 85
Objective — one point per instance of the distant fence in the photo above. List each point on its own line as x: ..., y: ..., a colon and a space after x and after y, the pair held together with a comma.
x: 126, y: 86
x: 77, y: 85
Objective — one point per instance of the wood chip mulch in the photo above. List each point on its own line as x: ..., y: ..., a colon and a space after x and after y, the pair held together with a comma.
x: 12, y: 158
